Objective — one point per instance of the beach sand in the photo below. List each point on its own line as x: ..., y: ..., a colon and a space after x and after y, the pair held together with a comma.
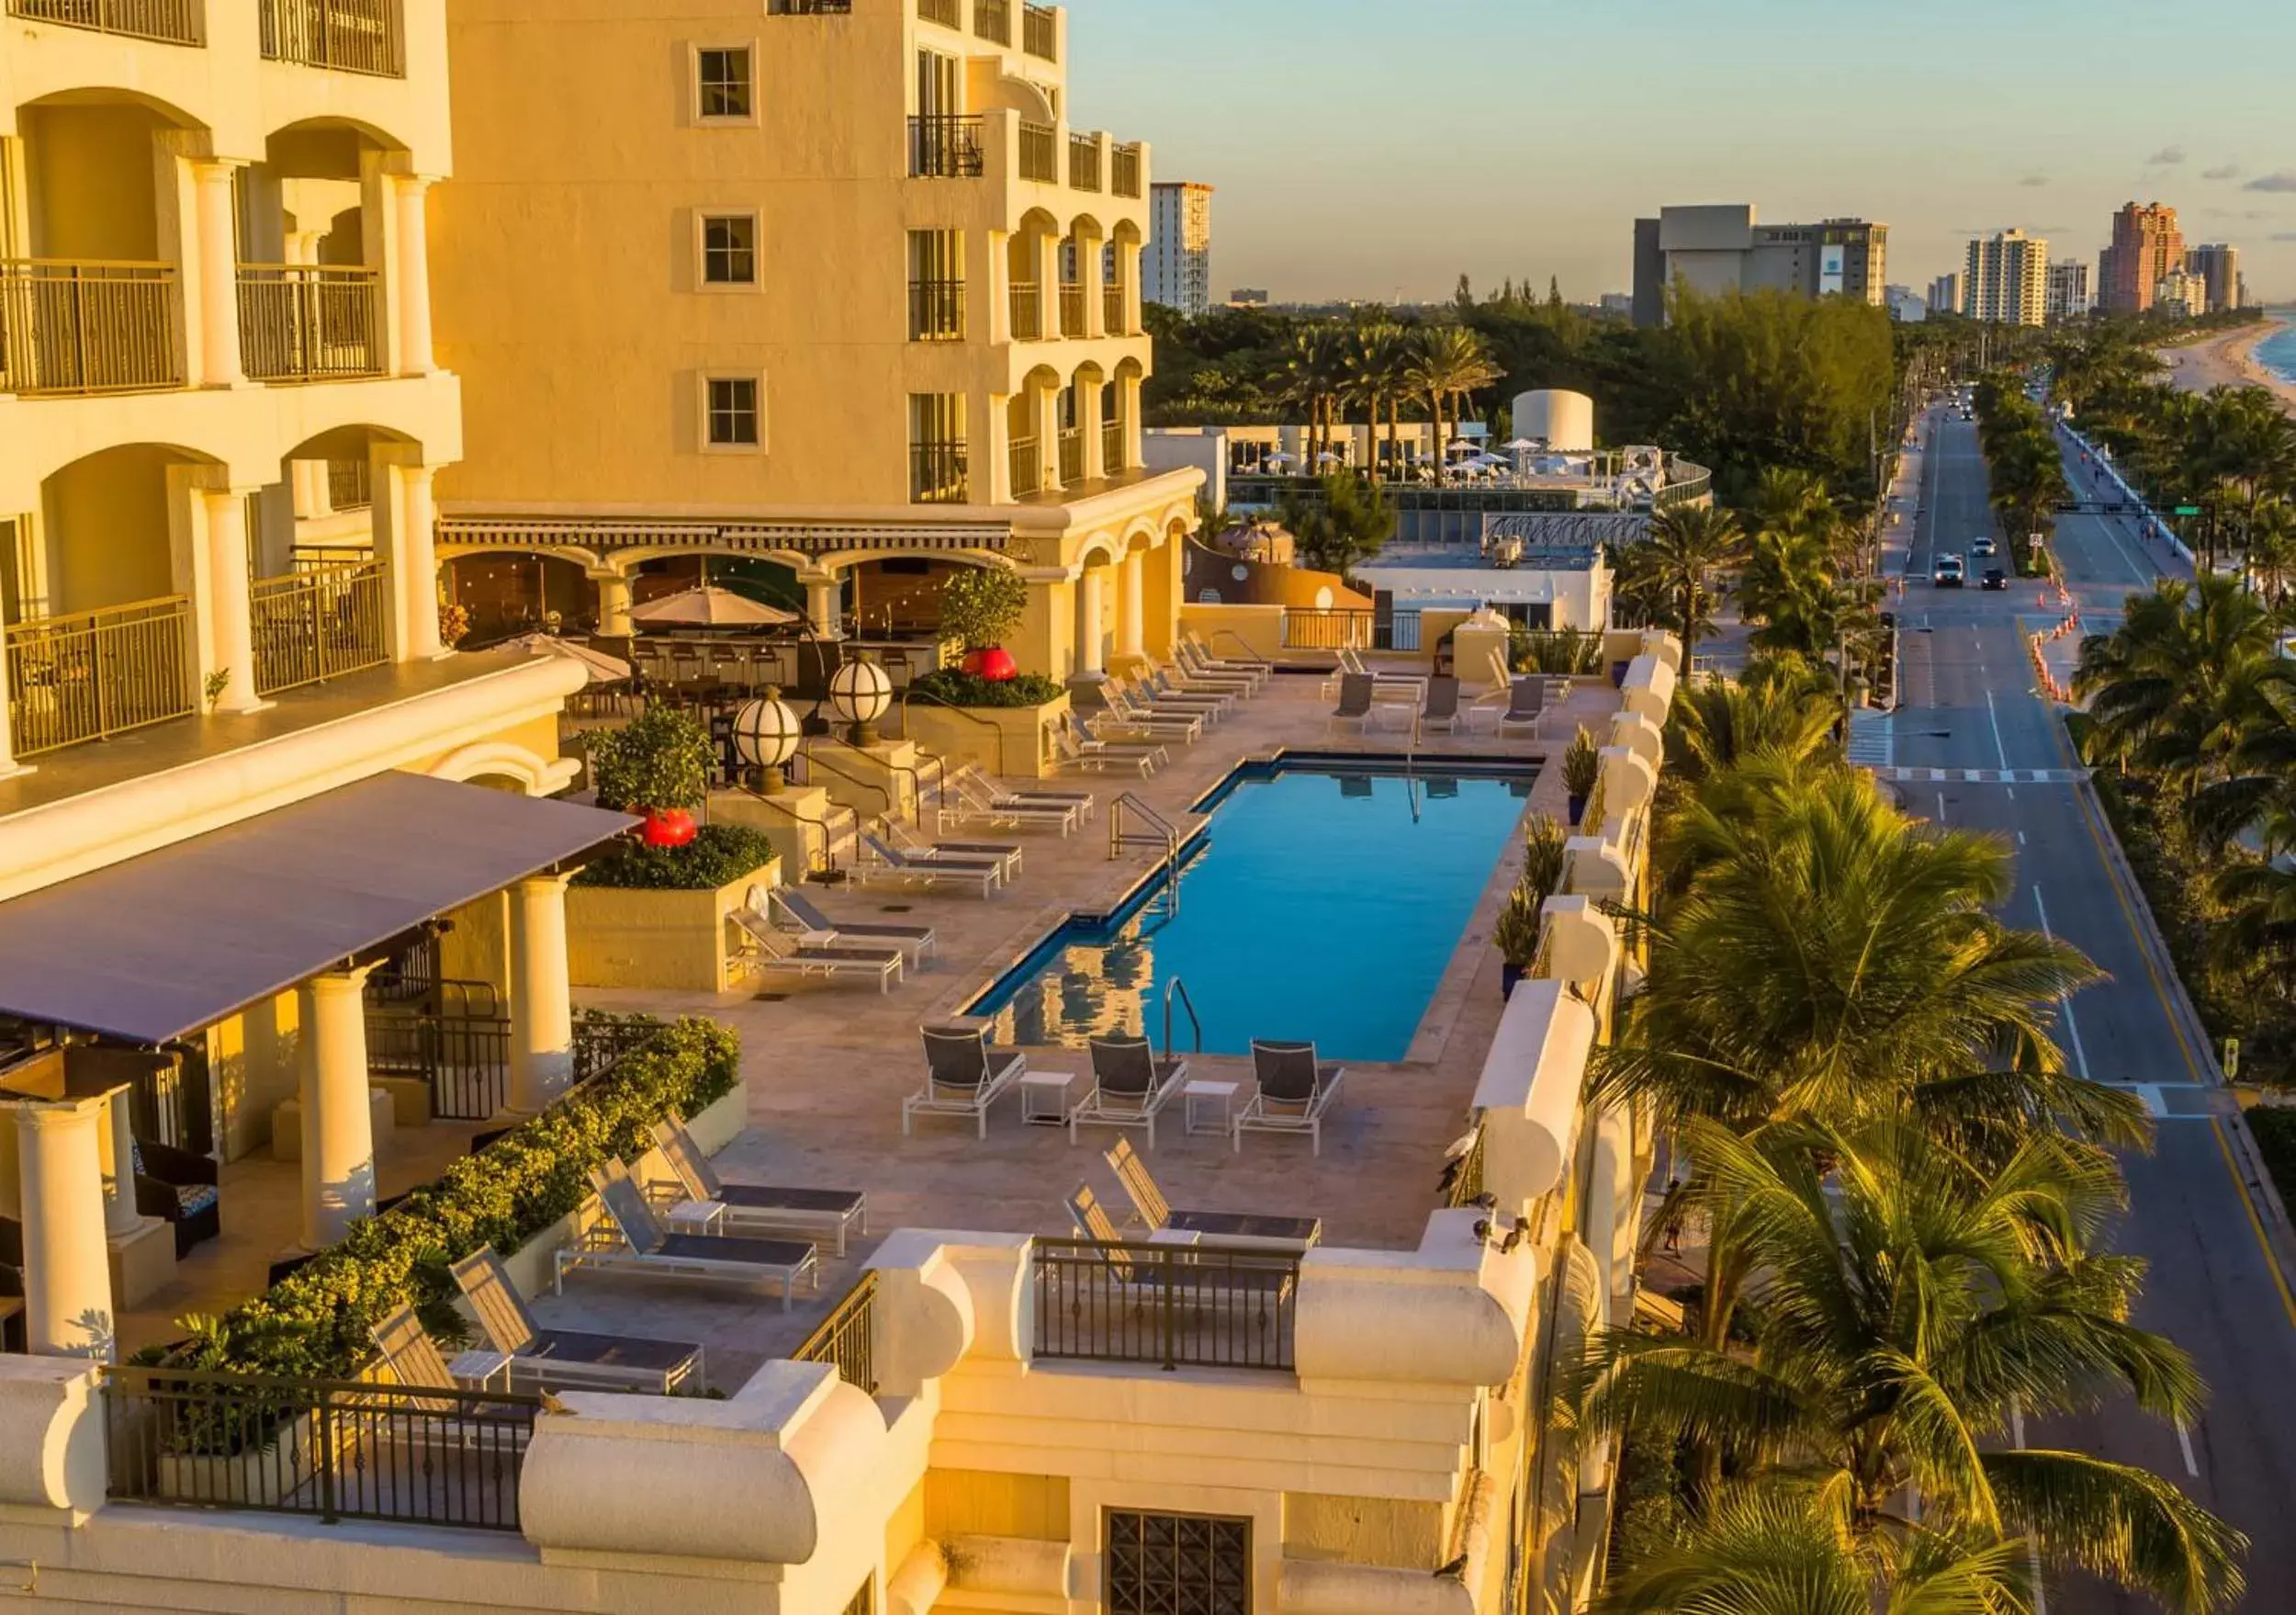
x: 2228, y: 361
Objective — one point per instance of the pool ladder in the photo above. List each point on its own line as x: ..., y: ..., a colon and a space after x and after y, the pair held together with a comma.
x: 1133, y: 823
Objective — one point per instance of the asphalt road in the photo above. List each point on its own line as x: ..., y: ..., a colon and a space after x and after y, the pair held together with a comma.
x: 1971, y: 704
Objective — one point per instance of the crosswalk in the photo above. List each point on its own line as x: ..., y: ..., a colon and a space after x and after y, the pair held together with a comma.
x: 1980, y: 776
x: 1873, y: 741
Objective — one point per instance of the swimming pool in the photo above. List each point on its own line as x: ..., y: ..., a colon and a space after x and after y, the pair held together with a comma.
x: 1323, y: 900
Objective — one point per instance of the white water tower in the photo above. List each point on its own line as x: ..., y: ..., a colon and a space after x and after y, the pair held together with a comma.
x: 1564, y: 420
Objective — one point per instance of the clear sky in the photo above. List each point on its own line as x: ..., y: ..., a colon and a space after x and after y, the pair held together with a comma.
x: 1376, y: 149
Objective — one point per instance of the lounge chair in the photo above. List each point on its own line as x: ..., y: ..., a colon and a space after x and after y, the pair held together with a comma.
x: 1526, y: 706
x: 964, y: 1076
x: 882, y: 865
x: 976, y: 800
x: 1131, y: 1084
x: 1083, y: 802
x: 775, y: 951
x: 1180, y: 1275
x: 812, y: 925
x: 568, y: 1359
x: 1179, y: 673
x: 1162, y: 686
x: 767, y: 1208
x: 1156, y: 1216
x: 459, y: 1420
x: 1088, y: 755
x: 1354, y: 703
x: 1006, y: 856
x: 646, y: 1247
x: 1295, y: 1091
x: 1190, y: 665
x: 1160, y: 697
x: 1206, y: 657
x: 1441, y: 709
x: 1126, y: 717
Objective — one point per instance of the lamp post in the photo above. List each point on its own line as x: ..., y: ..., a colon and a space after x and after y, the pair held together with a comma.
x: 861, y: 693
x: 766, y: 735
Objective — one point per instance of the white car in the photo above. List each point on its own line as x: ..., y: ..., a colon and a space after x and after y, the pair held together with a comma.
x: 1948, y: 574
x: 1981, y: 546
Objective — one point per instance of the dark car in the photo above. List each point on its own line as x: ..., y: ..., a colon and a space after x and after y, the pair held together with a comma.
x: 1994, y: 578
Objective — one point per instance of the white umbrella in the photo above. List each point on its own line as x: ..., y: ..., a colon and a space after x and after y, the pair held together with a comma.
x: 1461, y: 444
x: 603, y: 669
x: 1280, y: 459
x: 711, y: 607
x: 1521, y: 444
x: 1328, y: 458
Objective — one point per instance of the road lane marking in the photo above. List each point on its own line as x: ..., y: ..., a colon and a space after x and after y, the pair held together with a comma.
x: 2020, y: 838
x: 2064, y: 1004
x: 1994, y: 713
x: 2256, y: 1221
x: 2184, y: 1440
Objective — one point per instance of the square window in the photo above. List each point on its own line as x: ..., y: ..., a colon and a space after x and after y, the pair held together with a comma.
x: 725, y: 89
x: 729, y: 249
x: 733, y: 411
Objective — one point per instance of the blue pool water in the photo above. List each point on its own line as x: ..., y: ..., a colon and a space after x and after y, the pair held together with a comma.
x: 1323, y: 903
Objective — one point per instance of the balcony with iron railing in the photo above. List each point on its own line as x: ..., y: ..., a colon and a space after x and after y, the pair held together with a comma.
x: 942, y: 147
x: 1071, y: 449
x: 937, y: 310
x: 1028, y: 311
x: 1111, y: 447
x: 845, y: 1338
x: 810, y: 8
x: 310, y: 322
x: 992, y: 20
x: 1040, y: 32
x: 86, y: 325
x: 1124, y: 171
x: 91, y: 675
x: 938, y: 473
x: 316, y: 625
x: 1026, y: 468
x: 1084, y: 162
x: 1039, y: 152
x: 1168, y: 1306
x: 170, y: 22
x: 345, y: 36
x: 1072, y: 309
x: 1114, y: 318
x: 350, y: 485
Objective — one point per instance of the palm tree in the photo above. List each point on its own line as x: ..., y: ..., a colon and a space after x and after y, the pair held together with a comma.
x: 1718, y: 725
x: 1451, y: 362
x: 1378, y: 363
x: 1795, y: 501
x: 1911, y: 1302
x: 1687, y: 546
x: 1315, y: 375
x: 2185, y: 676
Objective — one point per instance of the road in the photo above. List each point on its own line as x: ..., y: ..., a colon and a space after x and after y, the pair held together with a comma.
x: 1971, y: 704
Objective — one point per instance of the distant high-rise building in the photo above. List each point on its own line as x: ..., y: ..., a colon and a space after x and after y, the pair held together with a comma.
x: 1617, y: 303
x: 1945, y: 294
x: 1248, y: 296
x: 2068, y: 290
x: 2007, y: 282
x: 2146, y: 245
x: 1721, y: 248
x: 2218, y: 265
x: 1178, y: 260
x: 2181, y: 295
x: 1906, y: 306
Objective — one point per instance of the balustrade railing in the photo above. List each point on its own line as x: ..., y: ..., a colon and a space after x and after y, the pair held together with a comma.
x: 1084, y: 162
x: 1306, y: 629
x: 96, y: 673
x: 1072, y: 309
x: 1112, y: 315
x: 465, y: 1059
x: 1170, y: 1305
x: 948, y: 13
x: 350, y: 484
x: 316, y: 624
x: 310, y: 322
x: 843, y: 1340
x: 349, y: 36
x: 1039, y: 152
x: 992, y: 20
x: 944, y: 148
x: 86, y: 325
x: 1028, y: 311
x: 1124, y: 170
x: 1111, y: 447
x: 935, y: 311
x: 938, y: 473
x: 1027, y: 469
x: 1072, y: 451
x: 1040, y: 32
x: 172, y: 22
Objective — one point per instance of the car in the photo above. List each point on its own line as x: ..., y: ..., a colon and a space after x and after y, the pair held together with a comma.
x: 1981, y: 544
x: 1994, y: 578
x: 1948, y: 572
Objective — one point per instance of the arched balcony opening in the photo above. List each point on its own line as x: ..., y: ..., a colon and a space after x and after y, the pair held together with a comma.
x: 311, y: 261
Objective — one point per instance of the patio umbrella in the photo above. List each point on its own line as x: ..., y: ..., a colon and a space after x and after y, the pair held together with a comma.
x: 711, y: 607
x: 1521, y: 444
x: 1462, y: 445
x: 1280, y: 459
x: 603, y: 669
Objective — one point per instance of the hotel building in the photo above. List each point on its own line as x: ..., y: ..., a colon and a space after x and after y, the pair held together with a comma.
x: 2146, y: 245
x: 1179, y: 249
x: 2069, y: 296
x: 2007, y: 282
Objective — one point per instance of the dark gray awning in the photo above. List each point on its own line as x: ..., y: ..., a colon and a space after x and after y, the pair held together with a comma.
x: 167, y: 943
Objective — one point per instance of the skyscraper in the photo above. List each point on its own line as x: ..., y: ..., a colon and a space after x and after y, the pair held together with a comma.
x: 2007, y: 282
x: 1715, y: 249
x: 2069, y: 296
x: 2218, y: 265
x: 1179, y: 247
x: 2146, y: 245
x: 1945, y: 294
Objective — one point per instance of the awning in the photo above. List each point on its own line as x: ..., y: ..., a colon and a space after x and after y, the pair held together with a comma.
x: 162, y: 945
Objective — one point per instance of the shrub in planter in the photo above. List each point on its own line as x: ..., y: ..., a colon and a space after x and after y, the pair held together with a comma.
x: 1581, y: 766
x: 979, y: 606
x: 1543, y: 856
x: 1515, y: 935
x: 718, y: 856
x: 960, y: 688
x: 657, y: 764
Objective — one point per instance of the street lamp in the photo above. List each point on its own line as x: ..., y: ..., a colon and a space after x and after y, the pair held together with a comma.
x: 766, y: 735
x: 861, y: 693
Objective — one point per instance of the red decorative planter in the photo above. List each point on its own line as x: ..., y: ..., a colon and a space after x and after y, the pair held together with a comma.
x: 996, y: 665
x: 668, y: 827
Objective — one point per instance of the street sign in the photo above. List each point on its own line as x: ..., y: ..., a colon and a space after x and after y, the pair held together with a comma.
x: 2188, y: 510
x: 2231, y: 1059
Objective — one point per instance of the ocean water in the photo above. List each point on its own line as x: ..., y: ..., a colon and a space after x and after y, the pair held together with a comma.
x: 2277, y: 353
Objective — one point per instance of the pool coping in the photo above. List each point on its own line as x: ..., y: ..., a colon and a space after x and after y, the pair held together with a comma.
x: 1431, y: 1037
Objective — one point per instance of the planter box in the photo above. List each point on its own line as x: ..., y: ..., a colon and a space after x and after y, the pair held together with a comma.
x: 677, y: 941
x: 1009, y: 741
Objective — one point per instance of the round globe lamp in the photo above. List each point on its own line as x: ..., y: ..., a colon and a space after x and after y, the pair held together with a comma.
x: 861, y: 693
x: 766, y: 735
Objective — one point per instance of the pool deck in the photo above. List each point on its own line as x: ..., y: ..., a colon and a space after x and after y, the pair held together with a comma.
x: 827, y: 1065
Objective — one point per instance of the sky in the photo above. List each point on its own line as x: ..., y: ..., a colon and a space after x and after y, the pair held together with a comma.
x: 1377, y: 151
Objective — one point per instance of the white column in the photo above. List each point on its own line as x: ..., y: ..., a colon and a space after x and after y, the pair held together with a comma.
x: 1088, y: 424
x: 415, y: 566
x: 219, y: 277
x: 1090, y: 271
x: 232, y: 646
x: 1044, y: 407
x: 413, y: 273
x: 67, y: 1270
x: 825, y: 604
x: 338, y: 1126
x: 541, y: 1010
x: 120, y: 1168
x: 1131, y: 609
x: 1048, y: 283
x: 313, y: 491
x: 613, y: 603
x: 1091, y: 660
x: 1127, y: 404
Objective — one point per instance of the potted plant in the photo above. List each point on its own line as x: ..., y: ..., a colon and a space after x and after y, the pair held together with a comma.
x: 1581, y: 766
x: 980, y: 606
x: 1544, y: 856
x: 657, y: 764
x: 1515, y: 935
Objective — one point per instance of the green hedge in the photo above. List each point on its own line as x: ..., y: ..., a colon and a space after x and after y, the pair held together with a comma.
x: 718, y: 856
x: 315, y: 1322
x: 960, y: 688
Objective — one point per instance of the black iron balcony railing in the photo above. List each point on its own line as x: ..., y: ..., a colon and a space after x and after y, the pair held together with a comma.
x: 938, y: 473
x: 310, y: 322
x: 1112, y: 318
x: 1072, y: 451
x: 350, y: 485
x: 316, y: 624
x: 603, y: 1042
x: 349, y: 36
x: 1124, y: 171
x: 935, y: 311
x: 944, y: 148
x: 332, y: 1449
x: 96, y: 673
x: 1084, y: 162
x: 844, y: 1340
x: 1027, y: 469
x: 992, y: 20
x: 1111, y: 447
x: 465, y: 1058
x: 85, y: 325
x: 1028, y: 311
x: 950, y: 14
x: 172, y: 22
x: 1039, y: 152
x: 1040, y: 32
x: 1072, y: 309
x: 810, y: 8
x: 1172, y: 1306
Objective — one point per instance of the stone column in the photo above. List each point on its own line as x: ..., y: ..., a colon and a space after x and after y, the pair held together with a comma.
x: 67, y: 1272
x: 1089, y: 270
x: 338, y: 1126
x: 613, y: 603
x: 1131, y: 608
x: 1088, y: 422
x: 313, y: 494
x: 413, y: 275
x: 219, y: 277
x: 414, y: 568
x: 1047, y: 247
x: 1091, y: 662
x: 541, y: 1013
x: 230, y: 614
x: 825, y: 603
x: 119, y: 1167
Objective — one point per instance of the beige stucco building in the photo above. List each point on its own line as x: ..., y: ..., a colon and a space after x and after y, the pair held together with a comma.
x: 846, y: 295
